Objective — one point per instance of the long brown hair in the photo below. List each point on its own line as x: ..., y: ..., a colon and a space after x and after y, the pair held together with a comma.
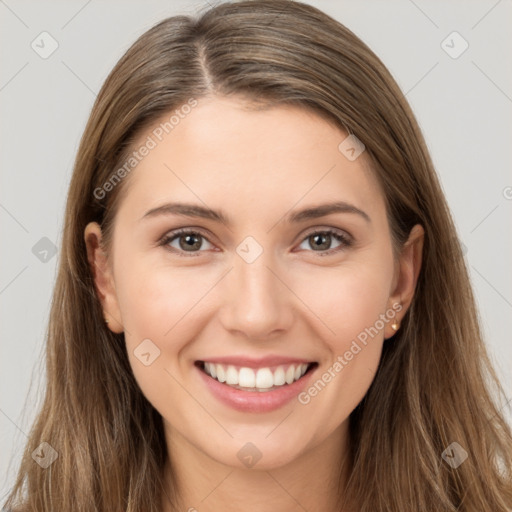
x: 435, y: 384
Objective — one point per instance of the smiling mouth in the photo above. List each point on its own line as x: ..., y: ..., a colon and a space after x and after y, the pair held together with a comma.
x: 262, y: 379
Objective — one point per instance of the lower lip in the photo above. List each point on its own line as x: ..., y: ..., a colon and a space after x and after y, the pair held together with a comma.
x: 255, y: 401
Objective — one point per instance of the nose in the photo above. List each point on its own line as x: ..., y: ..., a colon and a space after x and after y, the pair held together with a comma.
x: 257, y: 301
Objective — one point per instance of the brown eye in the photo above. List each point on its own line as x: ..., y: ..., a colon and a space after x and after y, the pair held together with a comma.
x: 321, y: 241
x: 187, y: 241
x: 190, y: 242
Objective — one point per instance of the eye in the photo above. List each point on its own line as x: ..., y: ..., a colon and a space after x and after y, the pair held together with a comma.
x: 323, y: 239
x: 191, y: 241
x: 188, y: 241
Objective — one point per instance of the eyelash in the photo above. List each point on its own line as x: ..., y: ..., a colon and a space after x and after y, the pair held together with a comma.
x: 171, y: 236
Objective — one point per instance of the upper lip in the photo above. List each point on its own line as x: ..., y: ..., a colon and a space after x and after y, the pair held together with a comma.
x: 262, y: 362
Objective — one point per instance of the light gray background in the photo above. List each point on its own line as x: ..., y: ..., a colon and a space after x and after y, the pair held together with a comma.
x: 463, y: 106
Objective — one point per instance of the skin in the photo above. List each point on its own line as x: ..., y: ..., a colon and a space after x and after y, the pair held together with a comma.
x: 256, y: 166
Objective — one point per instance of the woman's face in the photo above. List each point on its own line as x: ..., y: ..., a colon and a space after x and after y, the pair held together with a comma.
x: 276, y: 284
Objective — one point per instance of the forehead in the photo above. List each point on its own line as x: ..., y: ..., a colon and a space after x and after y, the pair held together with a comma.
x: 226, y: 152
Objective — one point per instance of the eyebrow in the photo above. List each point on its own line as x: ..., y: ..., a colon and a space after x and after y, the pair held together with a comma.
x: 195, y: 210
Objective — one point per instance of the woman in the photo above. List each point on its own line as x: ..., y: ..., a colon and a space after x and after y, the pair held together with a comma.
x: 261, y: 300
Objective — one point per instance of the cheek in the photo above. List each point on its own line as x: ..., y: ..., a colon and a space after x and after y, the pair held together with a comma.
x: 347, y: 299
x: 155, y: 301
x: 351, y: 305
x: 163, y: 304
x: 157, y: 305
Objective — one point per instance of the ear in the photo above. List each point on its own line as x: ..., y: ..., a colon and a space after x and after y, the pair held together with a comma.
x: 103, y: 278
x: 406, y: 277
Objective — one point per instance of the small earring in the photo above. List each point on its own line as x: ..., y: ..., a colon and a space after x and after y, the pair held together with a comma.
x: 106, y: 321
x: 395, y: 326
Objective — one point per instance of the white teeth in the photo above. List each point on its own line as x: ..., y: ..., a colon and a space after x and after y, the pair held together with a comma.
x: 246, y: 378
x: 279, y: 377
x: 231, y: 376
x: 221, y: 374
x: 290, y: 375
x: 261, y: 379
x: 264, y: 378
